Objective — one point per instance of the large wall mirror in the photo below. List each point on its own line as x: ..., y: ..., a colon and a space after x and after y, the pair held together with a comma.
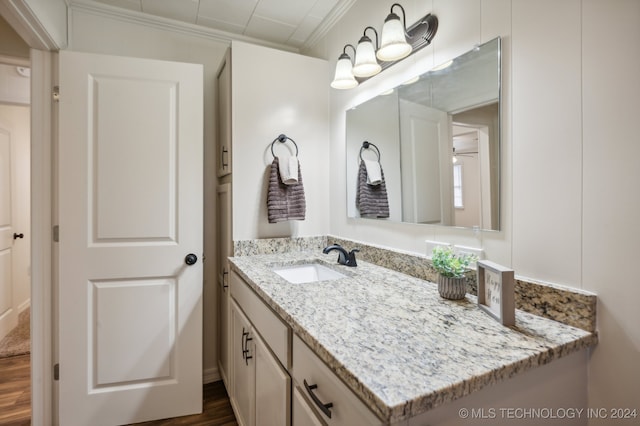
x: 437, y: 140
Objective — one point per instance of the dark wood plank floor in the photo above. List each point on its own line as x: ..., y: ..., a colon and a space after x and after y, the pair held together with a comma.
x: 15, y: 399
x: 15, y: 390
x: 216, y: 408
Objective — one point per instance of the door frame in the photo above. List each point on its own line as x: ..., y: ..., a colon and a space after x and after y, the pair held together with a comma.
x: 20, y: 16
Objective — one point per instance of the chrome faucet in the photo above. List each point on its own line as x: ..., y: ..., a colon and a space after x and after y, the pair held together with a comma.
x: 344, y: 257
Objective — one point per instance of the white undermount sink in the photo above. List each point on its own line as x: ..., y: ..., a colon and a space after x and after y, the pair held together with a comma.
x: 307, y: 273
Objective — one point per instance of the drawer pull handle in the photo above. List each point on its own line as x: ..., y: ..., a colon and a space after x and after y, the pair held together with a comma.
x: 323, y: 407
x: 247, y: 357
x: 243, y: 344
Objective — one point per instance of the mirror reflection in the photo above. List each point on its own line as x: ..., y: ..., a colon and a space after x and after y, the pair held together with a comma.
x: 436, y: 142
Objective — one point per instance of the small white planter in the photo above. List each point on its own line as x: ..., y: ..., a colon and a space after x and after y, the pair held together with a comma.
x: 451, y: 287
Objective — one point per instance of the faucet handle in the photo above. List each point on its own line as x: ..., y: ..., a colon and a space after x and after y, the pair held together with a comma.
x: 351, y: 261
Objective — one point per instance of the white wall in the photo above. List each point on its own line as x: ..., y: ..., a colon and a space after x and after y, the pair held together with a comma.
x: 610, y: 232
x: 99, y: 34
x: 276, y: 92
x: 570, y: 101
x: 14, y: 87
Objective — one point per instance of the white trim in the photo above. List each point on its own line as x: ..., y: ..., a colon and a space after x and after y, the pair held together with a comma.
x: 27, y: 24
x: 14, y: 60
x: 41, y: 253
x: 211, y: 375
x: 24, y: 305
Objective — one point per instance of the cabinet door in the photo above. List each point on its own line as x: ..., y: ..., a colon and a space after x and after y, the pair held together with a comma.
x: 224, y: 116
x: 273, y: 388
x: 224, y: 333
x: 243, y: 366
x: 225, y: 249
x: 302, y: 412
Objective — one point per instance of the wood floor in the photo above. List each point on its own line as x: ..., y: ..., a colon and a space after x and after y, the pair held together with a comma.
x: 15, y: 390
x: 216, y: 410
x: 15, y: 399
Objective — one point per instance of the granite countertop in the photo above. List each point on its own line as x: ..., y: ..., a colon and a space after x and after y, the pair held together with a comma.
x: 395, y: 342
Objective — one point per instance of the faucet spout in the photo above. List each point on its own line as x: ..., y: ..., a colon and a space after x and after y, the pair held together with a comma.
x: 344, y: 257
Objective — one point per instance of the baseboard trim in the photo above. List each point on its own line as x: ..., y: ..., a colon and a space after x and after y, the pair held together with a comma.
x: 211, y: 375
x: 24, y: 305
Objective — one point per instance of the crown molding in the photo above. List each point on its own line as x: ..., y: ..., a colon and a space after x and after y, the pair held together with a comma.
x: 334, y: 16
x: 159, y: 22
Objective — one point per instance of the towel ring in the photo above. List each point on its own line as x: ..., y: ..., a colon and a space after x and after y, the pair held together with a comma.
x: 367, y: 145
x: 282, y: 139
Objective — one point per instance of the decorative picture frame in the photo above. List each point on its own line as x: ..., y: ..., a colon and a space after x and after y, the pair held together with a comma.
x: 496, y: 291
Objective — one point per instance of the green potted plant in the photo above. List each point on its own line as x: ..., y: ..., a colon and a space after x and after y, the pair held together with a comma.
x: 451, y: 267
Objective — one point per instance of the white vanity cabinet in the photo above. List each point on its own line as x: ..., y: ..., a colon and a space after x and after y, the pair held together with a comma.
x: 324, y: 393
x: 260, y: 383
x: 243, y: 368
x: 265, y: 355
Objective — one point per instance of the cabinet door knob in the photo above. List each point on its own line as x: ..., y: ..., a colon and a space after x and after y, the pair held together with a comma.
x: 322, y: 406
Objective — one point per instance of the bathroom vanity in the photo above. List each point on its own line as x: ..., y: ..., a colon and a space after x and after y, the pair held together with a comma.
x: 368, y: 345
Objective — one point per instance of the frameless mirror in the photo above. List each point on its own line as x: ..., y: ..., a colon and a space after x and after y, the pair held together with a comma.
x: 437, y: 140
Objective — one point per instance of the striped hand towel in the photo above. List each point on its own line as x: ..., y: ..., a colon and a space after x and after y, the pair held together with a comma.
x: 285, y: 202
x: 371, y: 200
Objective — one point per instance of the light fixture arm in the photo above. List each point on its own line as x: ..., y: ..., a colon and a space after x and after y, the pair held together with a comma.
x: 404, y: 17
x: 344, y: 52
x: 364, y: 34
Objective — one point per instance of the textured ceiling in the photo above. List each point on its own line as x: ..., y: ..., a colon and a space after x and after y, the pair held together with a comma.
x: 286, y: 22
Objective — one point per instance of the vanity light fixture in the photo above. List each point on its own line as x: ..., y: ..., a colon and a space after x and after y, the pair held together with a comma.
x: 343, y: 78
x: 396, y: 43
x: 366, y: 64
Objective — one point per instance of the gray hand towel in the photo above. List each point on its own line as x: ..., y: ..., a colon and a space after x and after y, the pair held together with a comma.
x: 371, y: 200
x: 285, y: 202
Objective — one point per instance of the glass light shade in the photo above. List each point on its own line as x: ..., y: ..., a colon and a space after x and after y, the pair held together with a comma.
x: 366, y: 64
x: 393, y: 45
x: 343, y: 78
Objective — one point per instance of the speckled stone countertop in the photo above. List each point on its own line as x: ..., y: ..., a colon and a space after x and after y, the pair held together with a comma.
x: 395, y: 342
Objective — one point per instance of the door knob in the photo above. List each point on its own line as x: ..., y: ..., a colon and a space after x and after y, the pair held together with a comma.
x: 190, y: 259
x: 16, y: 236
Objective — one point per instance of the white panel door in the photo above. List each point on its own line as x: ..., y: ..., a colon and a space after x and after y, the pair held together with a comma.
x: 130, y: 203
x: 8, y: 314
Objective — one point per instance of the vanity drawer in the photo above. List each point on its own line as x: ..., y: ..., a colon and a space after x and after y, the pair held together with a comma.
x: 319, y: 383
x: 264, y: 320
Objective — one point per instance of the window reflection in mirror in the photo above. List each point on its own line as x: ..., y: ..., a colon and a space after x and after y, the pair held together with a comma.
x: 439, y: 140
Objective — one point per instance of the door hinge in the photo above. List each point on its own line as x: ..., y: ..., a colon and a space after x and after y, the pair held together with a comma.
x: 56, y: 372
x: 56, y: 233
x: 56, y: 93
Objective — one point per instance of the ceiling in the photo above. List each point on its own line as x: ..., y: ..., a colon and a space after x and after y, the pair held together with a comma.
x: 291, y: 23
